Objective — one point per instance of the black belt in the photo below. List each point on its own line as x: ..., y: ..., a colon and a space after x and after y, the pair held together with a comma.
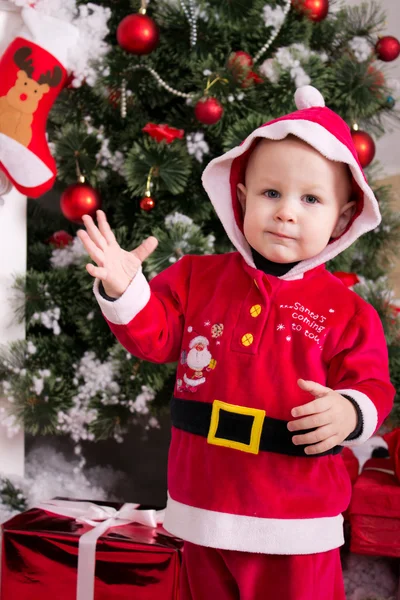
x: 238, y: 427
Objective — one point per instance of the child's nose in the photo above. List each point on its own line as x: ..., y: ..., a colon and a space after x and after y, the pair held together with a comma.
x: 285, y: 211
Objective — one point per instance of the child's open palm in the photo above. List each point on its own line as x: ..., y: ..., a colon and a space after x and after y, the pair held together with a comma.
x: 115, y: 267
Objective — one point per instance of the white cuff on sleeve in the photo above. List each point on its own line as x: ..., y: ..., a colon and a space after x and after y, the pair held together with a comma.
x: 132, y: 301
x: 369, y: 415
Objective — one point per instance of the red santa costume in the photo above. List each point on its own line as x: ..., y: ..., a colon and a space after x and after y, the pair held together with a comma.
x: 261, y: 517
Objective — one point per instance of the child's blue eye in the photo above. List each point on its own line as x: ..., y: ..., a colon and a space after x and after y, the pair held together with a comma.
x: 311, y: 199
x: 272, y: 194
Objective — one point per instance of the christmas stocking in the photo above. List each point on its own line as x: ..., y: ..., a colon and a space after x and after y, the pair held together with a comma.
x: 32, y: 74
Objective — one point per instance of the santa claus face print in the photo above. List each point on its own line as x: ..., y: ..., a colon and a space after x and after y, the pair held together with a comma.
x: 199, y: 357
x: 197, y: 363
x: 294, y: 200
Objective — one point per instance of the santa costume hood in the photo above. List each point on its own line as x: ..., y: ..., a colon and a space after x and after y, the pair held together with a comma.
x: 322, y: 129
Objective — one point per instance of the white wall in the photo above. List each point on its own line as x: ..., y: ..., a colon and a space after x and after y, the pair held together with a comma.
x: 388, y: 146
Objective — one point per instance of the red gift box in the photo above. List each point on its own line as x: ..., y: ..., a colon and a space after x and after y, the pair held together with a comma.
x: 375, y: 510
x: 40, y: 556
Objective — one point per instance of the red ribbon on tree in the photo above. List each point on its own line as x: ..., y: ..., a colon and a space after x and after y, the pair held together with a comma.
x: 162, y: 132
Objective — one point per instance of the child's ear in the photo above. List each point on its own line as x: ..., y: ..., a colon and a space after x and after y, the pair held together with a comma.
x: 345, y: 217
x: 241, y: 195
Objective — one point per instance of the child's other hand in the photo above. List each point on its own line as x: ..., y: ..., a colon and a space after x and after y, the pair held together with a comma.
x: 115, y: 267
x: 331, y: 413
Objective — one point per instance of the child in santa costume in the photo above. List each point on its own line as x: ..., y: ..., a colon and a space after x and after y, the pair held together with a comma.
x: 296, y: 365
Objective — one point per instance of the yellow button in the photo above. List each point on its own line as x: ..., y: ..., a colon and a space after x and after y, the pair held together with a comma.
x: 247, y: 339
x: 255, y: 310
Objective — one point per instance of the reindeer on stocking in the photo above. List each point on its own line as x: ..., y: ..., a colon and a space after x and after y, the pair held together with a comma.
x: 20, y: 103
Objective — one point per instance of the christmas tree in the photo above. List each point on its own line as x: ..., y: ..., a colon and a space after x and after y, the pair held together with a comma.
x: 171, y: 85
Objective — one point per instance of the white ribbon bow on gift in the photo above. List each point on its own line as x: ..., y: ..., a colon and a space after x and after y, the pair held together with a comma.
x: 101, y: 518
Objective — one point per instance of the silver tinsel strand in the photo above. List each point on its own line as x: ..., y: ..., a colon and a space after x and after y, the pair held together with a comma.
x: 274, y: 33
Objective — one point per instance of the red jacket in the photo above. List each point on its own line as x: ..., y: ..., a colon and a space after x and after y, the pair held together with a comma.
x: 244, y: 338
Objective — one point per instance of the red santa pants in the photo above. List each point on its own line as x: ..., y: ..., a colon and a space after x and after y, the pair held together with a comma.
x: 211, y: 574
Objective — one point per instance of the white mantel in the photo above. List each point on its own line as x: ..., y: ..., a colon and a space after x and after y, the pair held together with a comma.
x: 13, y: 242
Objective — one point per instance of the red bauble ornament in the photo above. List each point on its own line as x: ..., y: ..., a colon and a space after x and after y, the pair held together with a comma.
x: 377, y: 77
x: 376, y: 81
x: 240, y: 63
x: 208, y: 111
x: 60, y: 239
x: 147, y: 203
x: 79, y: 199
x: 387, y: 48
x: 138, y: 34
x: 315, y: 10
x: 365, y: 147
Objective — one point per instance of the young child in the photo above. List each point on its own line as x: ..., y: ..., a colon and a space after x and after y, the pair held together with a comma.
x: 279, y: 364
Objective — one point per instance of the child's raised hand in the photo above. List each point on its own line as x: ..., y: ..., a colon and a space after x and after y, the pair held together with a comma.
x: 115, y: 267
x: 332, y: 414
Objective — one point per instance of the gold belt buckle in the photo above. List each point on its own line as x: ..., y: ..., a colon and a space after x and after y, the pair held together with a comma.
x: 254, y: 446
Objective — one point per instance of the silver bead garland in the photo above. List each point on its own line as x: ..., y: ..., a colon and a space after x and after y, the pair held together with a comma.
x: 162, y: 83
x: 123, y: 99
x: 274, y: 33
x: 191, y: 17
x: 190, y: 14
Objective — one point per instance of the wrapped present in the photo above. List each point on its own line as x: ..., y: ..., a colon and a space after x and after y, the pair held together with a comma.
x: 375, y: 510
x: 78, y: 550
